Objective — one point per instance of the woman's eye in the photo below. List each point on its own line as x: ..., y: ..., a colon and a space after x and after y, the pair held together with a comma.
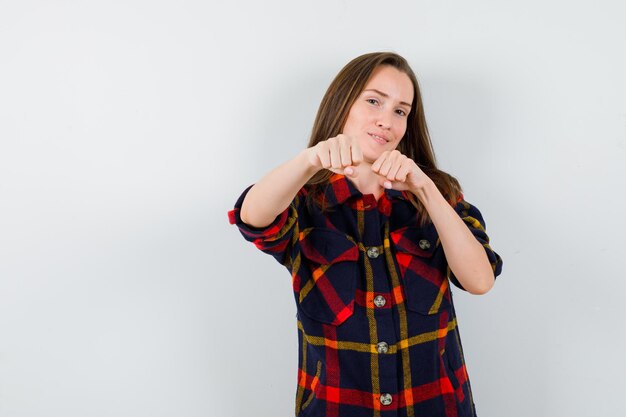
x: 372, y: 101
x: 401, y: 112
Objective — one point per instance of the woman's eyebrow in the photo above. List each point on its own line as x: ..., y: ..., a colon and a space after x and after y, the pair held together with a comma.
x: 387, y: 96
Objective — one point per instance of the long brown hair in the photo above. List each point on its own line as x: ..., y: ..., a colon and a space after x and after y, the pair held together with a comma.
x: 333, y: 112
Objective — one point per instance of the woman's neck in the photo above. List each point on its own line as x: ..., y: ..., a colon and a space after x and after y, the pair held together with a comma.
x: 367, y: 181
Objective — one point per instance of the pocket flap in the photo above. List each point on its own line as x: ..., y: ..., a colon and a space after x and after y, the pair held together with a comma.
x: 327, y: 246
x: 414, y: 240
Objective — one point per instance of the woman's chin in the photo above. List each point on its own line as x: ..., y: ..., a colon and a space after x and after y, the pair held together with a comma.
x: 370, y: 157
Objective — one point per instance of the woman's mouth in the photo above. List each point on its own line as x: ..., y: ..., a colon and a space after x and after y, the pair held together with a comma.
x: 378, y: 139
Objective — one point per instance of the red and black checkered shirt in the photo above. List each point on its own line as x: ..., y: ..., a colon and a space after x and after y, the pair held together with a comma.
x: 377, y: 328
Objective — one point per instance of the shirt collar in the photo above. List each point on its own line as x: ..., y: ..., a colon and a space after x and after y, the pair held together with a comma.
x: 340, y: 189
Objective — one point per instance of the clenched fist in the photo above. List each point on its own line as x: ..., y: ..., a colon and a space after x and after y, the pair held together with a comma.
x: 399, y: 172
x: 339, y: 154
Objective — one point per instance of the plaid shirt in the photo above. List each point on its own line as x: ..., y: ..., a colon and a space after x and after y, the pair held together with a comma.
x: 377, y: 328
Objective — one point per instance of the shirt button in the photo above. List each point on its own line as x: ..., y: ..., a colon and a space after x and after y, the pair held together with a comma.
x: 424, y: 244
x: 379, y: 301
x: 382, y: 347
x: 373, y: 252
x: 385, y: 399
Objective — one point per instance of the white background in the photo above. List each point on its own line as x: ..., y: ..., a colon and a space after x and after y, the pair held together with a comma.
x: 129, y: 128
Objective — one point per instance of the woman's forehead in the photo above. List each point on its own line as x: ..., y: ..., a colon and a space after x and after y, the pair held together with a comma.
x: 392, y: 83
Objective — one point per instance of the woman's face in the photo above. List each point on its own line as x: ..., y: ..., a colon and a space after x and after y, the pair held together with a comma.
x: 378, y: 117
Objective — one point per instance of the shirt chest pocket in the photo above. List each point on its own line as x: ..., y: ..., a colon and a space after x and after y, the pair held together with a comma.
x: 422, y: 268
x: 325, y: 283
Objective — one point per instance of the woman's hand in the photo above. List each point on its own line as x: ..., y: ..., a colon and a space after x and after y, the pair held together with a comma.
x: 399, y: 172
x: 339, y: 154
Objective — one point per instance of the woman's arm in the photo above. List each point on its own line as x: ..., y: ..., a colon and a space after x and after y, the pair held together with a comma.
x: 273, y: 193
x: 276, y: 190
x: 465, y: 255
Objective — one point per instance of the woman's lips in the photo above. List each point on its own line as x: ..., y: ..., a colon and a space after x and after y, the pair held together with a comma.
x: 378, y: 139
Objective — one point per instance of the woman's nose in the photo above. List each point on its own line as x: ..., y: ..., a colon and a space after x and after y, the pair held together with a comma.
x: 384, y: 121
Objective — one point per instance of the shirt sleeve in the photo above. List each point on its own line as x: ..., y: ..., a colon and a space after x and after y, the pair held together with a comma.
x: 475, y: 222
x: 277, y: 238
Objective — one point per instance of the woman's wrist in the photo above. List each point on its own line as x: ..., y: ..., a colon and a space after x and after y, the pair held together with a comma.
x: 304, y: 160
x: 428, y: 194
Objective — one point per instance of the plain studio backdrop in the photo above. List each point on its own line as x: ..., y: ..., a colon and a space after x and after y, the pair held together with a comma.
x: 129, y: 128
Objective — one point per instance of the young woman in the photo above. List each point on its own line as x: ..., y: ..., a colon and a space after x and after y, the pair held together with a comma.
x: 373, y: 233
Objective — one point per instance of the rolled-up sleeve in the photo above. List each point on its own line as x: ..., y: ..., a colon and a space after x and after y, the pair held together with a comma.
x: 475, y: 222
x: 275, y: 239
